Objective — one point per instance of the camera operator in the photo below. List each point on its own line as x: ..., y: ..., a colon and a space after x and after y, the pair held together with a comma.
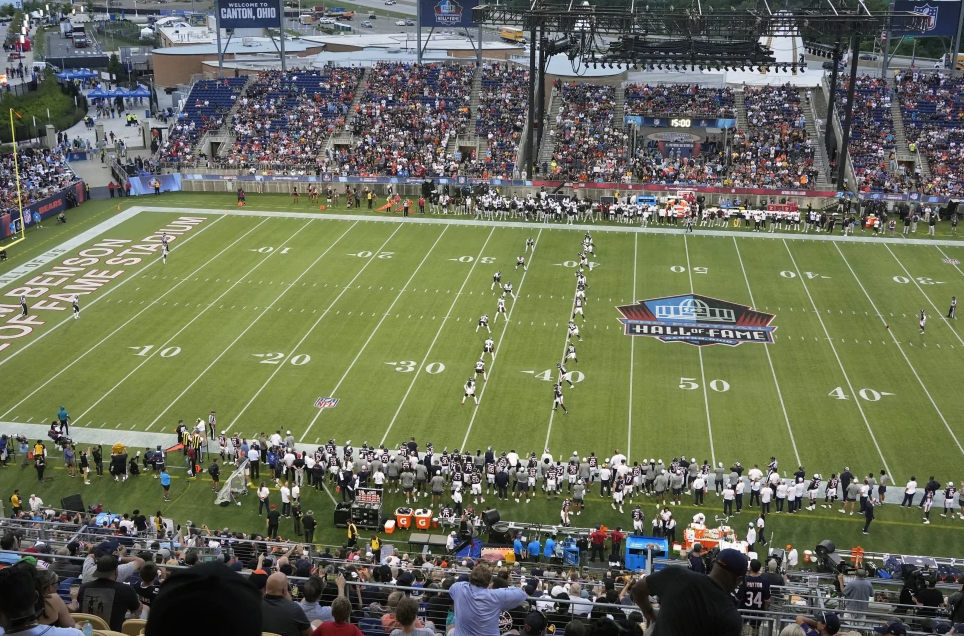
x: 929, y: 599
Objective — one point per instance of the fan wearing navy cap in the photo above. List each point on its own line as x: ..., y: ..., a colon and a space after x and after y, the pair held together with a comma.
x: 822, y: 624
x: 692, y: 604
x: 896, y: 628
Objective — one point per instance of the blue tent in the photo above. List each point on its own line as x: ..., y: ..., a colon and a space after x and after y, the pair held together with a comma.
x: 120, y: 92
x: 99, y: 92
x: 84, y: 73
x: 140, y: 91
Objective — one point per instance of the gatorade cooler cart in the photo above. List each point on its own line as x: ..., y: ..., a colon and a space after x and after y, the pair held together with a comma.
x: 423, y: 519
x: 404, y: 518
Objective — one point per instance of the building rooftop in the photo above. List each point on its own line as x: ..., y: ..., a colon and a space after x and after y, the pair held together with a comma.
x: 238, y: 46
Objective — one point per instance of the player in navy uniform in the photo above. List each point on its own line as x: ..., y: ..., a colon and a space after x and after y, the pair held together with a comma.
x: 75, y: 301
x: 812, y: 491
x: 577, y: 308
x: 571, y: 353
x: 470, y: 390
x: 573, y: 330
x: 483, y: 322
x: 949, y: 500
x: 830, y: 495
x: 582, y: 259
x: 565, y: 376
x: 489, y: 347
x: 521, y: 262
x: 480, y: 370
x: 639, y: 517
x: 23, y: 305
x: 496, y: 280
x: 557, y: 399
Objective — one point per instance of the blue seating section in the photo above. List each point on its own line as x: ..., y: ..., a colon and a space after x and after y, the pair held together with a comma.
x: 211, y: 98
x: 502, y: 111
x: 933, y: 113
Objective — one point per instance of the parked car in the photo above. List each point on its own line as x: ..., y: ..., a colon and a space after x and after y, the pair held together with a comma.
x: 400, y: 23
x: 409, y: 22
x: 828, y: 65
x: 326, y: 21
x: 372, y: 16
x: 389, y: 3
x: 368, y: 25
x: 868, y: 56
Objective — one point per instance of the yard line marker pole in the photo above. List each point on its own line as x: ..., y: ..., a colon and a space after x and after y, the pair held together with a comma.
x: 233, y: 342
x: 120, y: 284
x: 80, y: 417
x: 706, y: 397
x: 127, y: 322
x: 901, y: 349
x: 632, y: 357
x: 437, y: 334
x: 508, y: 321
x: 924, y: 294
x: 776, y: 382
x: 312, y: 328
x: 839, y: 362
x: 385, y: 315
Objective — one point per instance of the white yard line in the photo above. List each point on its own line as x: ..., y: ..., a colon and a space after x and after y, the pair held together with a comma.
x: 924, y: 294
x: 565, y: 344
x: 377, y: 328
x: 901, y: 349
x: 437, y: 334
x: 766, y: 348
x: 839, y: 362
x: 246, y: 329
x: 508, y: 321
x: 792, y: 236
x: 632, y: 358
x: 944, y: 254
x: 69, y: 245
x: 147, y: 359
x: 282, y: 362
x: 706, y: 397
x: 127, y: 322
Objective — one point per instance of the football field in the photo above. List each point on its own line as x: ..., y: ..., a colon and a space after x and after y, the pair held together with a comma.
x: 259, y: 314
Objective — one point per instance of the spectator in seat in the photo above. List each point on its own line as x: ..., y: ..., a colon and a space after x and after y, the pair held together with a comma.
x: 279, y: 614
x: 19, y: 595
x: 341, y: 612
x: 477, y: 607
x: 406, y: 616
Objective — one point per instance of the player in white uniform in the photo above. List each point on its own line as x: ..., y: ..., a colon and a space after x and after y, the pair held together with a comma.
x: 580, y: 291
x: 483, y: 322
x: 496, y: 280
x: 571, y: 353
x: 521, y: 262
x: 500, y: 307
x: 573, y: 330
x: 923, y: 321
x: 557, y: 399
x: 577, y: 308
x: 480, y: 369
x: 470, y: 391
x: 489, y: 347
x: 530, y: 245
x: 75, y: 301
x: 582, y: 259
x: 507, y: 289
x: 164, y: 251
x: 23, y: 305
x: 564, y: 376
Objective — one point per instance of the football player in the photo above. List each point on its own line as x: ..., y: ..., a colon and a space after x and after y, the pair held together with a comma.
x: 618, y: 486
x: 639, y: 518
x: 564, y: 514
x: 577, y: 308
x: 507, y: 289
x: 564, y: 376
x: 496, y: 280
x: 483, y: 322
x: 476, y: 481
x: 23, y: 305
x: 582, y: 259
x: 530, y: 245
x: 500, y: 308
x: 164, y: 251
x: 949, y: 500
x: 557, y: 399
x: 521, y: 262
x: 75, y: 301
x: 480, y: 370
x: 573, y: 331
x: 923, y: 321
x: 470, y: 391
x: 571, y: 353
x: 489, y: 347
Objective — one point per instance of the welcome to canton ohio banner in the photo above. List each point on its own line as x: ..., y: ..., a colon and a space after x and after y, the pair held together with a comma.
x: 249, y: 14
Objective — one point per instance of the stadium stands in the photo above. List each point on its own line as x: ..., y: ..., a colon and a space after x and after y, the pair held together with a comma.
x: 932, y: 108
x: 588, y: 141
x: 43, y: 172
x: 873, y: 150
x: 406, y: 118
x: 775, y: 150
x: 686, y: 100
x: 204, y: 111
x: 503, y: 105
x: 285, y: 120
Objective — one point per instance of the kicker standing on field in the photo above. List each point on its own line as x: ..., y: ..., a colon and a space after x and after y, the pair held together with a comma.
x: 953, y: 310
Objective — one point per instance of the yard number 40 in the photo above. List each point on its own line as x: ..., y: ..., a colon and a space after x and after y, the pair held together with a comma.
x: 865, y: 394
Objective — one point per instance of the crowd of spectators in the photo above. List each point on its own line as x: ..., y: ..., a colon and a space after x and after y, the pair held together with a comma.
x: 688, y: 100
x: 588, y: 142
x: 933, y: 114
x: 501, y: 117
x: 407, y: 115
x: 873, y: 150
x: 43, y: 172
x: 775, y: 150
x: 285, y: 119
x: 204, y: 111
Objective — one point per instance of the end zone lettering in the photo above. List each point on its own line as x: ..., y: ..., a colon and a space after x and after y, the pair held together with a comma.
x: 697, y: 320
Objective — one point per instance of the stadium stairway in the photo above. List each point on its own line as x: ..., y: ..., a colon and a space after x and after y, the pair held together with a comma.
x: 740, y: 102
x: 620, y: 110
x: 555, y: 103
x: 820, y: 159
x: 359, y: 91
x: 474, y: 102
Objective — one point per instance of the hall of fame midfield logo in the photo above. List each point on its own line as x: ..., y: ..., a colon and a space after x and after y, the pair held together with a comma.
x: 697, y: 320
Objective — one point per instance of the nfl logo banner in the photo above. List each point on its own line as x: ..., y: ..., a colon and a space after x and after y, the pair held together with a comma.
x: 326, y: 403
x: 942, y: 16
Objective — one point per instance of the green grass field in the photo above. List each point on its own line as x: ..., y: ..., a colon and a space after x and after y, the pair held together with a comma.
x: 258, y: 316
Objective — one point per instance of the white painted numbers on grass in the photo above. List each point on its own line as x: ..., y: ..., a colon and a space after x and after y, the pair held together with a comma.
x: 168, y: 352
x: 276, y: 357
x: 486, y: 260
x: 923, y: 280
x: 407, y: 366
x: 809, y: 275
x: 690, y: 384
x: 367, y: 254
x: 868, y: 395
x: 679, y: 269
x: 267, y: 249
x: 550, y: 375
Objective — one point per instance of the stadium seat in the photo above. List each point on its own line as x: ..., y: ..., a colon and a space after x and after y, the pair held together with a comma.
x: 96, y: 622
x: 133, y: 626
